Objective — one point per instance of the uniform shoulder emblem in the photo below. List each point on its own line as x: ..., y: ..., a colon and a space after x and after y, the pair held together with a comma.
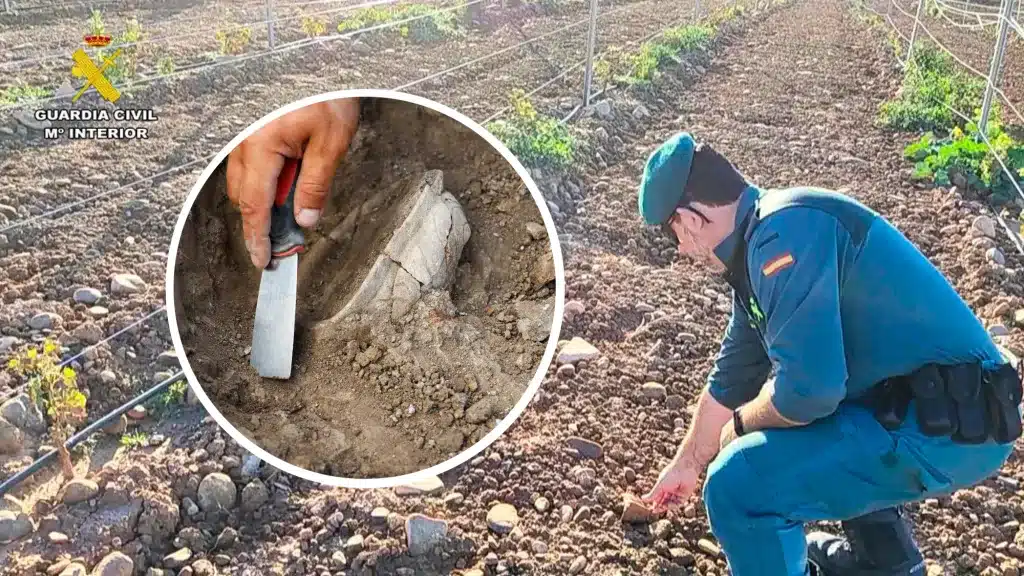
x: 777, y: 263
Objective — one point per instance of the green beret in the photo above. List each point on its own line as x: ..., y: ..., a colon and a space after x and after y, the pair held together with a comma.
x: 665, y: 175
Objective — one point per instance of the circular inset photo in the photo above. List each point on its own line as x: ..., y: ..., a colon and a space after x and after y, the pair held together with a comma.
x: 365, y: 288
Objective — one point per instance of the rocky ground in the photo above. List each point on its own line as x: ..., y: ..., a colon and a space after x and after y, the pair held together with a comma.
x: 780, y: 98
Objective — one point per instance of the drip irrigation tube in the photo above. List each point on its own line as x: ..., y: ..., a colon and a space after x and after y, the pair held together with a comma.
x: 86, y: 433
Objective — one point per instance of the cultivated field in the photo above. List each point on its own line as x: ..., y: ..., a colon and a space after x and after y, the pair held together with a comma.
x: 791, y: 91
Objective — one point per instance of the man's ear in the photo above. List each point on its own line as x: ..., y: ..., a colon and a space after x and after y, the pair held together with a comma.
x: 689, y: 220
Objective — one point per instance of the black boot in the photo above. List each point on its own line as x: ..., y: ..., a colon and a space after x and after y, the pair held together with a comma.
x: 876, y: 544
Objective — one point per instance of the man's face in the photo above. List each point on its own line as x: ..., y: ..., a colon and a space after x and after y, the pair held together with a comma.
x: 692, y: 234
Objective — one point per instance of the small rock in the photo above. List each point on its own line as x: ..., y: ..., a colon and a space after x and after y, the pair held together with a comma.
x: 566, y: 371
x: 203, y: 567
x: 216, y: 492
x: 10, y: 437
x: 379, y: 514
x: 708, y: 547
x: 23, y: 413
x: 576, y: 350
x: 578, y: 564
x: 603, y: 109
x: 543, y: 270
x: 541, y: 504
x: 1018, y: 317
x: 7, y: 343
x: 114, y: 564
x: 137, y: 412
x: 635, y: 511
x: 44, y: 321
x: 167, y: 358
x: 573, y: 308
x: 338, y: 559
x: 57, y: 537
x: 662, y: 529
x: 423, y: 533
x: 675, y: 402
x: 98, y: 311
x: 87, y: 296
x: 984, y: 226
x: 88, y: 332
x: 254, y: 495
x: 536, y: 231
x: 178, y: 558
x: 80, y: 490
x: 481, y: 410
x: 14, y: 525
x: 425, y: 487
x: 126, y: 284
x: 995, y: 255
x: 354, y: 545
x: 502, y: 518
x: 585, y: 448
x: 682, y: 556
x: 998, y: 330
x: 654, y: 390
x: 535, y: 318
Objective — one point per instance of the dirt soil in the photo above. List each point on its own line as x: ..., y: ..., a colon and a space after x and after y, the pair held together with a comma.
x: 374, y: 396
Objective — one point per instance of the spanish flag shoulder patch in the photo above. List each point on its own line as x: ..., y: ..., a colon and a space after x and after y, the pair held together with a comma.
x: 778, y: 263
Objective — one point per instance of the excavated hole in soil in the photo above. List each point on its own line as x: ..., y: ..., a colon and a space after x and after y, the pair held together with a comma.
x: 424, y: 303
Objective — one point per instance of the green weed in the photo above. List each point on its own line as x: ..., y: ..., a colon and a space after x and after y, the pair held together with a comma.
x: 536, y: 139
x: 932, y: 84
x: 643, y: 66
x: 431, y: 26
x: 55, y: 390
x: 313, y: 26
x: 165, y: 66
x: 234, y: 40
x: 135, y: 440
x: 964, y: 156
x: 22, y: 92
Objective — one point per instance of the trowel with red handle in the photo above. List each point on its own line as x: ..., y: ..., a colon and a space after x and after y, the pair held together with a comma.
x: 273, y: 333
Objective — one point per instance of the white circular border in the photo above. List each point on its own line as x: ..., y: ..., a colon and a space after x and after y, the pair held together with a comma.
x: 502, y: 426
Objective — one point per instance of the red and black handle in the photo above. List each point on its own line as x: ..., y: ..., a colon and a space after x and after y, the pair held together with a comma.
x: 286, y: 238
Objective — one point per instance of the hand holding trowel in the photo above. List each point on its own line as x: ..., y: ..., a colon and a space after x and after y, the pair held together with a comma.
x: 273, y: 333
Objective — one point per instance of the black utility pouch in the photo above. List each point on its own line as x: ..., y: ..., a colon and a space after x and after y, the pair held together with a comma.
x: 934, y: 414
x: 891, y: 400
x: 963, y: 383
x: 1003, y: 393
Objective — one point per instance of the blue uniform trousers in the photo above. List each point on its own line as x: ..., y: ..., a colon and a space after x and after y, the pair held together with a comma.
x: 764, y: 486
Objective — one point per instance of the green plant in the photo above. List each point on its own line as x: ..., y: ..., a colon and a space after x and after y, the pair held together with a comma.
x: 55, y: 390
x: 963, y: 156
x: 96, y: 25
x: 22, y: 92
x: 172, y: 397
x: 165, y: 66
x: 536, y: 139
x: 642, y: 66
x: 312, y: 26
x: 932, y: 84
x: 424, y: 23
x: 135, y: 440
x: 233, y: 40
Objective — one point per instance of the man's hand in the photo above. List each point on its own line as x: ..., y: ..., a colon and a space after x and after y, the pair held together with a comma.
x: 320, y: 134
x: 676, y: 483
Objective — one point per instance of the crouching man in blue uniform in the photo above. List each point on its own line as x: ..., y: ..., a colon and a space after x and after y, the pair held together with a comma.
x: 887, y: 389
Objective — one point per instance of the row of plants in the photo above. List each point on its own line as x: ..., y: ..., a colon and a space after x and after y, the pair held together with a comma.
x: 429, y: 26
x: 950, y: 148
x: 55, y: 391
x: 541, y: 140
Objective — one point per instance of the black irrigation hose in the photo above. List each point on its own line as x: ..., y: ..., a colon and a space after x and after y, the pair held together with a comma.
x: 86, y: 433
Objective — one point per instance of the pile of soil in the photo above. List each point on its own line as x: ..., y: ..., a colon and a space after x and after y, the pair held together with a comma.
x: 380, y: 394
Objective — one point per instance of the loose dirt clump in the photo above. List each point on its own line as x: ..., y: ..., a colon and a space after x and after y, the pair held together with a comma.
x: 424, y: 303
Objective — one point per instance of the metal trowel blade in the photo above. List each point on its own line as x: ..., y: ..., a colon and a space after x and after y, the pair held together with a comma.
x: 273, y: 332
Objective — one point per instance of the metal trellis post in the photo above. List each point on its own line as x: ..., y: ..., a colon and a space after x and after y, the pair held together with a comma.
x: 588, y: 76
x: 997, y: 64
x: 270, y: 23
x: 913, y: 34
x: 696, y: 10
x: 7, y: 6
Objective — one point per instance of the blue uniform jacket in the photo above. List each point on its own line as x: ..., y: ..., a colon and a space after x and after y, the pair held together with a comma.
x: 840, y: 300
